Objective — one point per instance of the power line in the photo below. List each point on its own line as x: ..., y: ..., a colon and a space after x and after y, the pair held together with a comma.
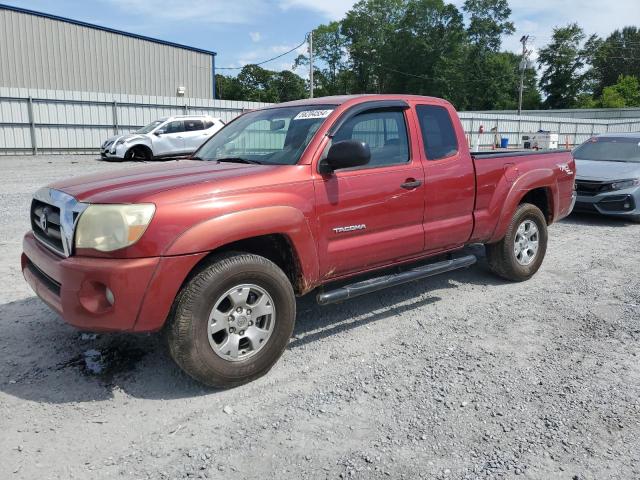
x: 265, y: 61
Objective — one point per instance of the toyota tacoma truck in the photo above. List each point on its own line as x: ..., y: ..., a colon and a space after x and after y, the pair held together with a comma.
x: 339, y: 195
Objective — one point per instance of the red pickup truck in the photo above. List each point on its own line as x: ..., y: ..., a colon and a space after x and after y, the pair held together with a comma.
x: 322, y: 194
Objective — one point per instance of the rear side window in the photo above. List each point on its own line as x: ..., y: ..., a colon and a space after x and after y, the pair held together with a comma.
x: 439, y: 136
x: 208, y: 124
x: 191, y: 125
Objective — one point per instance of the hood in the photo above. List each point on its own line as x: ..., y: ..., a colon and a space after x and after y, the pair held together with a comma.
x: 604, y: 171
x: 139, y: 183
x: 128, y: 136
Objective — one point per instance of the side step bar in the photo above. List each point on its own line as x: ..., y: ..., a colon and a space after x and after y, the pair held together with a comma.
x: 379, y: 283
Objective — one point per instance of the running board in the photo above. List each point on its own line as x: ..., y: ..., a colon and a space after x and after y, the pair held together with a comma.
x: 379, y: 283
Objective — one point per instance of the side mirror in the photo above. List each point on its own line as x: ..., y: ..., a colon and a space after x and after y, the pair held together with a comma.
x: 157, y: 133
x: 345, y: 154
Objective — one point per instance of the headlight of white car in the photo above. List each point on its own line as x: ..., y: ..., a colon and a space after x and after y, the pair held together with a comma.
x: 111, y: 227
x: 120, y: 141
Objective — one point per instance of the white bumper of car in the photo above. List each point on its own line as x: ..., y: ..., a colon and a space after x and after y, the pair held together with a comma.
x: 113, y: 149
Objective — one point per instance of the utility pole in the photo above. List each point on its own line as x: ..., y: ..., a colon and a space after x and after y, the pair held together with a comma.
x: 523, y: 66
x: 311, y: 64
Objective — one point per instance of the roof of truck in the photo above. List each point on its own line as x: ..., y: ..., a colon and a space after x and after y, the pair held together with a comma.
x: 340, y: 99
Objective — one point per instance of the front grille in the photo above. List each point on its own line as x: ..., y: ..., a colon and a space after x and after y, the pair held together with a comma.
x: 45, y: 223
x: 591, y: 188
x: 46, y: 280
x: 584, y: 207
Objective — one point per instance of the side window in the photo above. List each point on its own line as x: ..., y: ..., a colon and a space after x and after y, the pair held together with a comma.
x: 208, y: 124
x: 174, y: 127
x: 192, y: 125
x: 438, y: 134
x: 385, y: 132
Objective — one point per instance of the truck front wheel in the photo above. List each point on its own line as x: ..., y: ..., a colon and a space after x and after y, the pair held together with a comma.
x: 232, y: 320
x: 519, y: 254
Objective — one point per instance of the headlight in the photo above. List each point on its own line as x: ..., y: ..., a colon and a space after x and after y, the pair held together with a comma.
x: 111, y: 227
x: 120, y: 141
x: 621, y: 185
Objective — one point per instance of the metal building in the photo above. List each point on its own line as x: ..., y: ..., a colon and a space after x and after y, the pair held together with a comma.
x: 48, y: 52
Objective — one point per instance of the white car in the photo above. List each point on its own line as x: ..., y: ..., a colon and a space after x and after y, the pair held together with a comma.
x: 167, y: 137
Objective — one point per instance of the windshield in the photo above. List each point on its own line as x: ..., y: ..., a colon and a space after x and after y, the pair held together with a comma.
x: 613, y: 149
x: 150, y: 127
x: 275, y: 136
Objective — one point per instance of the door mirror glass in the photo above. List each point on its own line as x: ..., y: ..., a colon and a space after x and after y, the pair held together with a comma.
x: 159, y: 132
x: 346, y: 154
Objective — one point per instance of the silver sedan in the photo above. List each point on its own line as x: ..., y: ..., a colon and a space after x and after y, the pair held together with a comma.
x: 608, y: 175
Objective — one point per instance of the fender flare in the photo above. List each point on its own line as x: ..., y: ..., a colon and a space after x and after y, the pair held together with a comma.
x: 216, y: 232
x: 540, y: 178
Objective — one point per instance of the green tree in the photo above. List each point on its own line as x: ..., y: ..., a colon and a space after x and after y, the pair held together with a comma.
x: 371, y: 28
x: 563, y: 61
x: 288, y: 86
x: 431, y: 42
x: 256, y: 84
x: 618, y: 54
x: 488, y: 22
x: 625, y: 93
x: 330, y: 58
x: 228, y: 88
x: 489, y: 74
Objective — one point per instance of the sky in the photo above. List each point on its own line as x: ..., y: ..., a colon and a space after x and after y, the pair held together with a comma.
x: 249, y: 31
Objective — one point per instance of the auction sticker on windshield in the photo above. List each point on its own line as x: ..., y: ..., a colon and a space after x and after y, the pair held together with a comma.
x: 307, y: 114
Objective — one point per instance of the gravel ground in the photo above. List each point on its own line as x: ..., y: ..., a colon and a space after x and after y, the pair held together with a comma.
x: 461, y: 376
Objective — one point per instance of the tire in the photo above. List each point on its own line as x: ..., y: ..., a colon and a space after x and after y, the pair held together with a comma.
x: 138, y: 153
x: 503, y: 257
x: 200, y: 351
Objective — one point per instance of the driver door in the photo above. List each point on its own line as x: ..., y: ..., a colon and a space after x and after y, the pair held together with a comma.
x: 170, y: 141
x: 372, y: 215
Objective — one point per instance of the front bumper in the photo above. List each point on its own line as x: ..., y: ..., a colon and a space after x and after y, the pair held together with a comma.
x: 114, y: 152
x: 621, y: 203
x: 106, y: 154
x: 76, y: 287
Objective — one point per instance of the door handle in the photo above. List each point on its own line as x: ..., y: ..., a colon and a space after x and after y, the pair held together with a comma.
x: 410, y: 184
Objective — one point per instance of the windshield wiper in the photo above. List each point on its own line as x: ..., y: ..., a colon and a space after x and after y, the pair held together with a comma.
x: 238, y: 160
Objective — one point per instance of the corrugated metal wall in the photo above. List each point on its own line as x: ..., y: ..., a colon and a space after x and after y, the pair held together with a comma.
x: 58, y: 121
x: 37, y: 52
x: 631, y: 113
x: 572, y: 131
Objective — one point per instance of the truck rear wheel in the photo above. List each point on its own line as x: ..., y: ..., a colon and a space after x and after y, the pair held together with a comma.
x: 519, y: 254
x: 232, y: 320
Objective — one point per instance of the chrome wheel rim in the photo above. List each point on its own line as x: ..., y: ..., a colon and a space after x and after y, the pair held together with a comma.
x: 241, y: 322
x: 526, y: 242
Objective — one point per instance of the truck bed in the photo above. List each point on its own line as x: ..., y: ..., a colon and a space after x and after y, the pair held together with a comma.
x: 512, y: 153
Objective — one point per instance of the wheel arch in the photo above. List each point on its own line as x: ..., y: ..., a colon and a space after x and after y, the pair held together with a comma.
x: 280, y: 234
x: 277, y: 248
x: 140, y: 146
x: 538, y: 187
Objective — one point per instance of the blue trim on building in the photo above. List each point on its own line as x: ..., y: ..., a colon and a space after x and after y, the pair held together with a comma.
x: 105, y: 29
